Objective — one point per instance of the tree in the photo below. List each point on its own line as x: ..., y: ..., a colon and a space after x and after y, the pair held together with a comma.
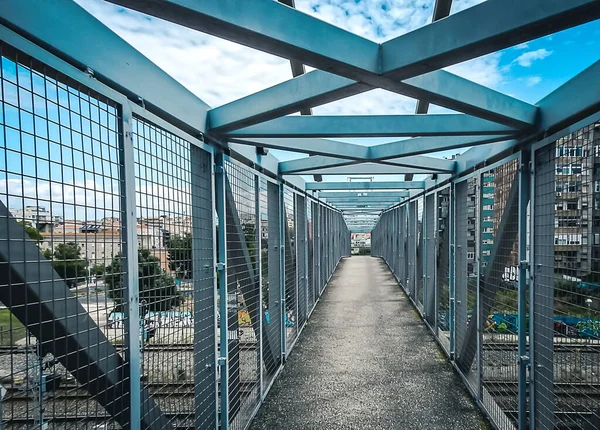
x: 67, y: 262
x: 156, y: 287
x: 32, y: 232
x: 98, y: 269
x: 180, y: 255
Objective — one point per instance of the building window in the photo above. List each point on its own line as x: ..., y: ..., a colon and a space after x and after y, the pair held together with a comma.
x: 470, y: 255
x: 568, y: 151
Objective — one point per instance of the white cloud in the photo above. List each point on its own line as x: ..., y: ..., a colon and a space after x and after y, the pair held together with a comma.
x: 219, y: 71
x: 527, y: 59
x: 533, y: 80
x: 484, y: 70
x: 522, y: 46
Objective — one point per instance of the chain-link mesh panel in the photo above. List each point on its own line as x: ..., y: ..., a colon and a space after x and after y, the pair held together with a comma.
x: 61, y: 227
x: 244, y: 292
x: 498, y: 295
x: 566, y: 308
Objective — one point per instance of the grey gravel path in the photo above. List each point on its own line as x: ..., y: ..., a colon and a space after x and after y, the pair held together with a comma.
x: 366, y: 361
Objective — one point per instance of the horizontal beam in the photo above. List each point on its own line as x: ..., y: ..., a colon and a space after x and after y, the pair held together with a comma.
x: 372, y: 169
x: 335, y: 200
x: 367, y: 194
x: 578, y: 98
x: 374, y: 126
x: 323, y: 147
x: 429, y: 48
x: 355, y: 201
x: 321, y: 162
x: 396, y: 185
x: 319, y: 87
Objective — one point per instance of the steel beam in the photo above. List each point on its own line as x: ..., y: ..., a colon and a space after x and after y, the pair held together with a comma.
x: 372, y: 169
x: 502, y: 23
x: 576, y: 99
x: 421, y: 145
x: 348, y: 194
x: 64, y: 328
x: 397, y: 185
x: 538, y: 18
x: 336, y: 200
x: 321, y: 162
x: 373, y: 126
x: 324, y: 147
x: 319, y: 87
x: 266, y: 25
x: 67, y: 30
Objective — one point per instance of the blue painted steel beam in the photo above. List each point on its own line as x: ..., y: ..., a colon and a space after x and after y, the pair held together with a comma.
x: 373, y: 126
x: 369, y: 201
x: 388, y: 185
x: 266, y: 26
x: 310, y: 146
x: 373, y: 169
x: 319, y: 87
x: 576, y: 99
x: 499, y: 24
x: 368, y: 194
x: 477, y: 154
x: 322, y: 162
x: 71, y: 33
x: 422, y: 145
x: 538, y: 18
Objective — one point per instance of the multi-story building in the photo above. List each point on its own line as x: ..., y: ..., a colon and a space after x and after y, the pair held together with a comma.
x: 577, y: 203
x: 38, y: 216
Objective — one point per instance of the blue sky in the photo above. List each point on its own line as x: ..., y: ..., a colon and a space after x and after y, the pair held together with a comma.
x: 219, y: 71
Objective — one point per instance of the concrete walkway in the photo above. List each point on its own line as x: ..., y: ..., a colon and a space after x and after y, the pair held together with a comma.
x: 366, y: 361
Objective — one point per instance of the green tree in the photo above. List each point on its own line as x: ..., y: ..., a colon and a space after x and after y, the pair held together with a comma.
x: 32, y: 232
x: 98, y: 269
x: 180, y: 255
x: 67, y: 262
x: 156, y: 287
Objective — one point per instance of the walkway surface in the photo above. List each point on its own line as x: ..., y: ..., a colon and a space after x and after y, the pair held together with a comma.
x: 366, y: 361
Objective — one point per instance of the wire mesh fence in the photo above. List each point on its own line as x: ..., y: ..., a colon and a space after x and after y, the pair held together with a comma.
x: 566, y: 311
x: 488, y: 320
x: 108, y: 263
x: 61, y: 220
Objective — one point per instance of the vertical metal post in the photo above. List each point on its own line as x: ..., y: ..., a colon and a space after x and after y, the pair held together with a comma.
x: 524, y: 184
x: 306, y: 295
x: 478, y: 253
x: 222, y: 281
x: 258, y: 230
x: 452, y: 270
x: 132, y: 332
x: 282, y: 226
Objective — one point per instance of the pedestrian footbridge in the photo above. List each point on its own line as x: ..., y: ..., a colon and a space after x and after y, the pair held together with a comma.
x: 263, y: 264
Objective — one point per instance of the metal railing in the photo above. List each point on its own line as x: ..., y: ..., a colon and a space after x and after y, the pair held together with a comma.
x: 510, y: 270
x: 147, y: 279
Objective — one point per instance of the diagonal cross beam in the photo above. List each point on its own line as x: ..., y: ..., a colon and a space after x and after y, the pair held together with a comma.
x: 41, y: 300
x: 500, y: 255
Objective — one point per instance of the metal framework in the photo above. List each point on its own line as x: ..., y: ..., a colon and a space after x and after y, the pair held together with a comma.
x: 193, y: 226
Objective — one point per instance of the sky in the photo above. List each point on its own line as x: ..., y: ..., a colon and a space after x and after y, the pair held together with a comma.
x: 218, y: 71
